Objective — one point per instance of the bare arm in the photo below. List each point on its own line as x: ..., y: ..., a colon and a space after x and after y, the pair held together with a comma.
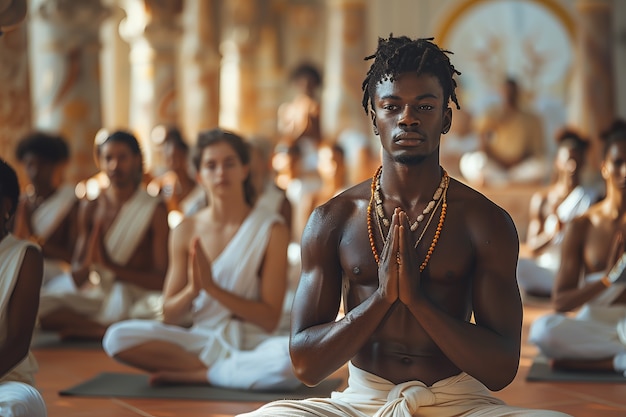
x: 567, y: 294
x: 266, y: 311
x: 22, y: 311
x: 154, y: 277
x: 179, y: 291
x: 489, y: 349
x: 537, y: 237
x: 319, y: 345
x: 81, y: 260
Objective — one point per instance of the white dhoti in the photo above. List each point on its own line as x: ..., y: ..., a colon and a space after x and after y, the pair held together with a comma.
x: 18, y: 399
x: 237, y: 354
x: 368, y: 395
x: 596, y: 331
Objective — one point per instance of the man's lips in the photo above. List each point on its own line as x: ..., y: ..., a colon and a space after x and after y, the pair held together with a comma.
x: 408, y: 139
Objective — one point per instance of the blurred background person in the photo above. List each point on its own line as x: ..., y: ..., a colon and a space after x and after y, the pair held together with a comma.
x: 48, y: 209
x: 511, y: 144
x: 551, y: 209
x: 177, y: 185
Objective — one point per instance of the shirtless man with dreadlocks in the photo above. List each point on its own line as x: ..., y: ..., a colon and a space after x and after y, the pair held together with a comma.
x: 415, y: 254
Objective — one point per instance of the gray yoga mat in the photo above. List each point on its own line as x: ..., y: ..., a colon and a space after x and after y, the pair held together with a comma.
x: 108, y: 384
x: 52, y: 340
x: 540, y: 371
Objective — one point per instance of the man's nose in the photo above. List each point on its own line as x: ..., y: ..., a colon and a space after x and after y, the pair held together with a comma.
x: 408, y: 116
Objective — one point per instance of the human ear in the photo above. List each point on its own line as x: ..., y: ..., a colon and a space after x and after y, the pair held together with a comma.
x: 373, y: 116
x: 447, y: 121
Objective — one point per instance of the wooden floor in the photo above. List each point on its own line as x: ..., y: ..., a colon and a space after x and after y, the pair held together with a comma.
x: 62, y: 368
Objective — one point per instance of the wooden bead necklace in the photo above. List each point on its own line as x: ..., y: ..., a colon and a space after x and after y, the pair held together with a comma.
x: 441, y: 194
x: 429, y: 207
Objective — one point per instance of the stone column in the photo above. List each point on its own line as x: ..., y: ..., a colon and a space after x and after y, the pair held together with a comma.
x: 345, y: 68
x: 153, y: 31
x: 592, y: 103
x: 238, y: 76
x: 115, y: 71
x: 64, y: 49
x: 14, y: 93
x: 199, y: 74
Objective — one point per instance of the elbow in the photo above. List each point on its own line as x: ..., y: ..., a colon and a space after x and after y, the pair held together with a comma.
x: 504, y: 378
x: 303, y: 368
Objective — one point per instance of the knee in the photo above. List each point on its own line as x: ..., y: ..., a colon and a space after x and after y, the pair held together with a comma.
x: 545, y: 335
x: 112, y: 342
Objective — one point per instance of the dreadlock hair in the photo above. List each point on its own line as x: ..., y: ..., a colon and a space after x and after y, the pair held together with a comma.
x: 568, y: 135
x: 395, y: 56
x: 241, y: 148
x: 614, y: 134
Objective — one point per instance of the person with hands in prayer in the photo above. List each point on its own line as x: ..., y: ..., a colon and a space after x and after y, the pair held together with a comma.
x: 224, y: 290
x: 588, y: 329
x: 120, y: 257
x: 415, y: 255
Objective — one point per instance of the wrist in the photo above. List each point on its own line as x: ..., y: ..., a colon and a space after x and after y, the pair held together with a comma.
x: 37, y: 239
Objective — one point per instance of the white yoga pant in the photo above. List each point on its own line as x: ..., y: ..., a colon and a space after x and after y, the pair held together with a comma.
x: 266, y: 366
x: 18, y: 399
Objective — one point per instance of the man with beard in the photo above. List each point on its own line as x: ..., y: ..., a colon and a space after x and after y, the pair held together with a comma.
x: 425, y: 264
x: 121, y: 256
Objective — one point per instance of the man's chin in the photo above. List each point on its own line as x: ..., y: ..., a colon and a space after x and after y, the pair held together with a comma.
x: 409, y: 159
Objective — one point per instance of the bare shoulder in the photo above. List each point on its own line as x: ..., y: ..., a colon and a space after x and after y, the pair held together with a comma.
x: 483, y: 217
x: 332, y: 217
x: 186, y: 228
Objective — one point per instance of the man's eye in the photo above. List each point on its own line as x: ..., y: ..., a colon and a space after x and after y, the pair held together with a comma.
x: 426, y: 107
x: 390, y: 107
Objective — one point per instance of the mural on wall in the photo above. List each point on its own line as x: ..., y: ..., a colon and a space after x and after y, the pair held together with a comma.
x: 530, y: 41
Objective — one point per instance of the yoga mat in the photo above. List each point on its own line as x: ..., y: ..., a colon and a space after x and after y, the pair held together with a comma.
x: 540, y: 371
x: 108, y: 384
x: 52, y: 340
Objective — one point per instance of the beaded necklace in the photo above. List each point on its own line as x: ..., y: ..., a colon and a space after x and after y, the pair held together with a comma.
x: 441, y: 199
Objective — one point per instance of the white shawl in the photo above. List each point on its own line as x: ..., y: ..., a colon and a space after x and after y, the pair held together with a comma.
x: 236, y: 270
x: 47, y: 217
x: 12, y: 253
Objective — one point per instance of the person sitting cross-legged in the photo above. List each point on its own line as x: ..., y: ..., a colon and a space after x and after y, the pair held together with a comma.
x: 224, y: 291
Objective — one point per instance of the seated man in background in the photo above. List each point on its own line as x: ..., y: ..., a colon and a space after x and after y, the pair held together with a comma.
x: 593, y: 252
x: 512, y: 145
x: 223, y: 297
x: 177, y: 186
x: 550, y: 210
x: 21, y: 271
x: 267, y: 192
x: 121, y: 254
x: 47, y: 212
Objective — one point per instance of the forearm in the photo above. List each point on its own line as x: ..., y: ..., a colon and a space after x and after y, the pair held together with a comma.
x: 319, y: 350
x: 53, y: 251
x: 565, y: 300
x: 177, y: 306
x: 11, y: 354
x: 148, y: 279
x: 257, y: 312
x: 491, y: 358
